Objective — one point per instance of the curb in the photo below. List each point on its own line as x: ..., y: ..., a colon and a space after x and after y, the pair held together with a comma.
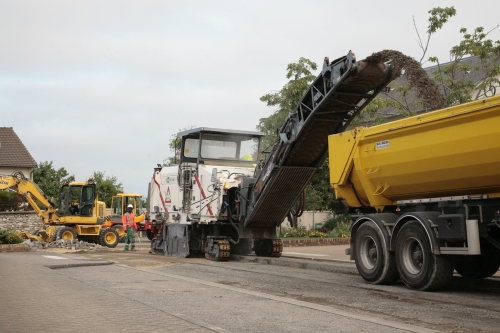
x: 14, y: 248
x: 325, y: 266
x: 84, y: 264
x: 350, y: 262
x: 315, y: 241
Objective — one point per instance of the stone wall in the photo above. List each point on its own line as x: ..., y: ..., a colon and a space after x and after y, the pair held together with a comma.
x: 21, y: 221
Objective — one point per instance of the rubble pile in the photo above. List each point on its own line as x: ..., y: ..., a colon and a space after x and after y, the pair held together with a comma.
x: 62, y: 244
x: 426, y: 88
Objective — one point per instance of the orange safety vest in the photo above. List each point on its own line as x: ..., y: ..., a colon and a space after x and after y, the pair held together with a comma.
x: 128, y: 220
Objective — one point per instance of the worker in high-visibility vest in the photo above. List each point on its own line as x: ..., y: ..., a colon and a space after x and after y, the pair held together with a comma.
x: 130, y: 227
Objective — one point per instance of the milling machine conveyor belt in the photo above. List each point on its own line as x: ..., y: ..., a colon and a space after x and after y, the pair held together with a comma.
x: 336, y: 96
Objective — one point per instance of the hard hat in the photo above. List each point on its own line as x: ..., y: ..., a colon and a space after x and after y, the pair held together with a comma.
x: 130, y: 206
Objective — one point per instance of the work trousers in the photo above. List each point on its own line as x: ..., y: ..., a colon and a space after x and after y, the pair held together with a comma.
x: 130, y: 238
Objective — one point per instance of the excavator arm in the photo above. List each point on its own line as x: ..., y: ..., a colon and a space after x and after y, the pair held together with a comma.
x: 33, y: 194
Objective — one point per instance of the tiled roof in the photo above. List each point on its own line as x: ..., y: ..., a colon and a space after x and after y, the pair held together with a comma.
x: 13, y: 153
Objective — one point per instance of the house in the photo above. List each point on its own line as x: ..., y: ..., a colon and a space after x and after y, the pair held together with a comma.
x: 13, y: 154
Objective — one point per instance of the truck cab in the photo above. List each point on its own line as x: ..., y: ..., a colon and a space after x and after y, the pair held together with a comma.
x: 211, y: 158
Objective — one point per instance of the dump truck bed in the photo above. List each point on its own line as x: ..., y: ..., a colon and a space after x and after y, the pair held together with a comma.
x: 449, y: 152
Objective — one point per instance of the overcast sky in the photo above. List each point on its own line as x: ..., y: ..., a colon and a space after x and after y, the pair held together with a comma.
x: 102, y: 85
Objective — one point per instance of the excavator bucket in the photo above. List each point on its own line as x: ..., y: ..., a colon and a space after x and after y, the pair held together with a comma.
x: 32, y: 237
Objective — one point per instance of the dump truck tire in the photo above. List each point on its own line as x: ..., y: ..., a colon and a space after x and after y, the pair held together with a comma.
x: 109, y: 237
x: 418, y: 267
x: 66, y: 233
x: 375, y: 263
x: 482, y: 266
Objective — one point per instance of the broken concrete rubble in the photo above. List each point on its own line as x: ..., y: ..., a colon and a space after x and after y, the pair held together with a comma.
x: 62, y: 244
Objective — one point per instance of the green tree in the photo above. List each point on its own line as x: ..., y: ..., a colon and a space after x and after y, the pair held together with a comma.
x: 381, y: 108
x: 458, y: 87
x: 319, y: 192
x: 437, y: 18
x: 319, y: 195
x: 373, y: 115
x: 49, y: 179
x: 286, y: 100
x: 107, y: 187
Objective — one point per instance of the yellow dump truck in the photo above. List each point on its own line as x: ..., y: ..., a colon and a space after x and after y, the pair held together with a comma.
x: 424, y: 193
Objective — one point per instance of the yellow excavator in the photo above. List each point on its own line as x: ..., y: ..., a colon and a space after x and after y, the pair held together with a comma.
x: 79, y: 214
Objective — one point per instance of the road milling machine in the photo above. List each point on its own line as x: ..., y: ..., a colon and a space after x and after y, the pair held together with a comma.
x: 220, y: 199
x: 79, y: 214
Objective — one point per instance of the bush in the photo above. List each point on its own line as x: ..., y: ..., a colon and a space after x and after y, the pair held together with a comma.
x: 316, y: 234
x: 300, y: 232
x: 323, y: 229
x: 331, y: 223
x: 10, y: 201
x: 341, y: 230
x: 10, y: 236
x: 293, y: 232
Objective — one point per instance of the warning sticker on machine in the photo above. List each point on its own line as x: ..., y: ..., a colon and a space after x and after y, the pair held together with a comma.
x: 382, y: 144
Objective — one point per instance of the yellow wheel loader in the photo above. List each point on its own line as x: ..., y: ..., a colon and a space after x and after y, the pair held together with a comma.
x: 119, y: 203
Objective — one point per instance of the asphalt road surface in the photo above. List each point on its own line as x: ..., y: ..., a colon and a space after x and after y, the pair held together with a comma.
x: 244, y: 296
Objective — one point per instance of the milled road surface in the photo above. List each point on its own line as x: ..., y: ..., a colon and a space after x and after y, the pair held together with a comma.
x: 252, y: 297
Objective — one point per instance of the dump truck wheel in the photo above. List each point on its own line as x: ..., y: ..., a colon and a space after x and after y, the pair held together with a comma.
x: 121, y: 233
x: 375, y: 263
x: 109, y: 237
x: 150, y: 234
x: 482, y: 266
x: 66, y: 233
x: 418, y: 267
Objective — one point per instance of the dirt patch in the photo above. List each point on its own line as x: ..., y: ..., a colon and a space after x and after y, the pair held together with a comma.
x: 426, y: 88
x: 136, y: 259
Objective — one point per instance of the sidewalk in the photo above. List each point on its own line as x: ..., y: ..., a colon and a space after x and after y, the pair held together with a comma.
x: 319, y: 252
